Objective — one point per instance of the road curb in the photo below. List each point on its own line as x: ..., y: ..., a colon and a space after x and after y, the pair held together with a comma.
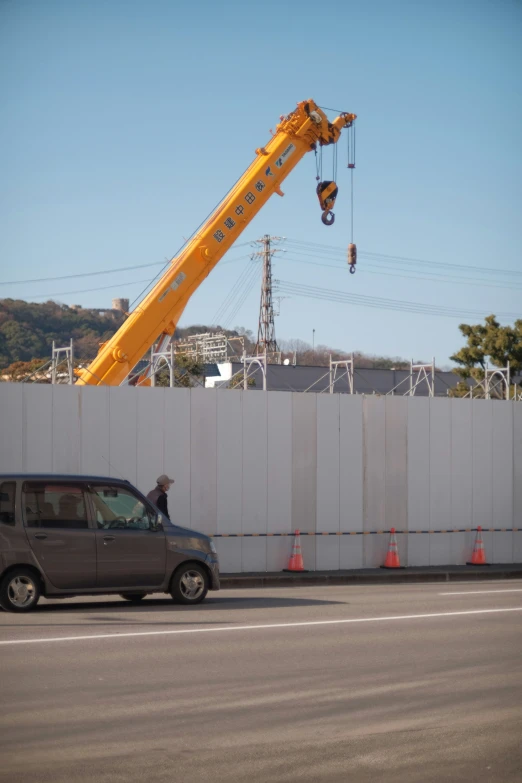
x: 371, y: 576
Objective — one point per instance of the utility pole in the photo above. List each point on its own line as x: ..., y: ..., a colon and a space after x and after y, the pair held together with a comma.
x: 266, y: 339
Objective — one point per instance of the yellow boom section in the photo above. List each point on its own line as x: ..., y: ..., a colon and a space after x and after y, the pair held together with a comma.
x: 160, y: 310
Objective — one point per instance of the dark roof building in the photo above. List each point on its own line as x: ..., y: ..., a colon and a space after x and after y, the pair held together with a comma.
x: 317, y: 379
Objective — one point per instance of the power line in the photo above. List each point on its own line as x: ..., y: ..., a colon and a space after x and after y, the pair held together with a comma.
x: 235, y: 291
x: 298, y: 289
x: 80, y: 291
x: 247, y: 290
x: 315, y: 247
x: 106, y: 286
x: 432, y: 277
x: 107, y: 271
x: 83, y: 274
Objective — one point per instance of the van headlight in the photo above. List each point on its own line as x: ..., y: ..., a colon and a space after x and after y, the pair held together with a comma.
x: 213, y: 547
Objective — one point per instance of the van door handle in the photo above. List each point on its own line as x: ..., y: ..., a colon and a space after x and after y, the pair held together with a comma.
x: 40, y: 536
x: 106, y: 539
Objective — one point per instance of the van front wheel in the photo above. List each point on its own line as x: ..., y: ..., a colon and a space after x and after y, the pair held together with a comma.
x: 19, y: 590
x: 189, y: 584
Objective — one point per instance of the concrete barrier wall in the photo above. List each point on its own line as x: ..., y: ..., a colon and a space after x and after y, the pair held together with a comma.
x: 250, y: 468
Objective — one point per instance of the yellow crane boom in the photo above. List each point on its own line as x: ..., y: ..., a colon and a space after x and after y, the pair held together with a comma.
x: 159, y: 312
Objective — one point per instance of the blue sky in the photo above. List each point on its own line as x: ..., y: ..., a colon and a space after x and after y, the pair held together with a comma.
x: 125, y: 122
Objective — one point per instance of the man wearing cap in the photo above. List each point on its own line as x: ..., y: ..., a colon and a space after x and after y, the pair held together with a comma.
x: 159, y: 495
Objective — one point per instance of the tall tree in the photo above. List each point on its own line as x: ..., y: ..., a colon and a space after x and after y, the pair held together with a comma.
x: 488, y: 343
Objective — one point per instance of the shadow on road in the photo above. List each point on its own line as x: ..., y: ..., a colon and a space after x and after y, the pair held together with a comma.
x: 163, y: 605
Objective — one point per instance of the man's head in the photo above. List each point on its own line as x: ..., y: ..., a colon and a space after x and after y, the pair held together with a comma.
x: 164, y: 482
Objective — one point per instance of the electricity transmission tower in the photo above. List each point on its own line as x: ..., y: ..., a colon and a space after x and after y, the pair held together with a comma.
x: 266, y: 340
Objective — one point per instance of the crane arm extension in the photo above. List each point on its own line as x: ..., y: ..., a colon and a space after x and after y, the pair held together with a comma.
x: 160, y: 310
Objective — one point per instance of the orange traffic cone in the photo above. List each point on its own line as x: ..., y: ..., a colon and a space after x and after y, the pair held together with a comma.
x: 392, y: 556
x: 295, y: 563
x: 479, y: 555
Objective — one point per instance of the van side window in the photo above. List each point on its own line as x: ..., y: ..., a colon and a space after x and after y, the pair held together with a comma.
x: 118, y: 508
x: 7, y: 503
x: 50, y: 505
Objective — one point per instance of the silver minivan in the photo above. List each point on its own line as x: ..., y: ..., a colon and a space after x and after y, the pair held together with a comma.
x: 63, y: 536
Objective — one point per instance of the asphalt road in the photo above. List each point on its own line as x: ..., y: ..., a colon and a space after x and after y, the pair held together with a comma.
x: 297, y: 684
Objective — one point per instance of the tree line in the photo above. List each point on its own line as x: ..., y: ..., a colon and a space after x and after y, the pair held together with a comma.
x: 28, y: 329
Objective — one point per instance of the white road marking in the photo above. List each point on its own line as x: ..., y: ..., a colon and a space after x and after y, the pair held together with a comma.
x: 258, y: 627
x: 480, y: 592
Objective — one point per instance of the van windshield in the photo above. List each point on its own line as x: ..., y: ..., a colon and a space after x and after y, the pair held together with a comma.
x: 118, y: 507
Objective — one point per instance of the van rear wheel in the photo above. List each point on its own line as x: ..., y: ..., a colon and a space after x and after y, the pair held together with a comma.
x: 189, y: 584
x: 20, y: 590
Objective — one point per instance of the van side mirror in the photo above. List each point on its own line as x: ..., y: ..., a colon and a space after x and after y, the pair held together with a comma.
x: 156, y: 523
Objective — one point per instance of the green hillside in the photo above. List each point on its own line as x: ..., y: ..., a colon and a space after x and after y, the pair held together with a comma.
x: 27, y: 330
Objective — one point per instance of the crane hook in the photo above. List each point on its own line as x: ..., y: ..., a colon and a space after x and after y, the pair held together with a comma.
x: 327, y: 193
x: 352, y: 270
x: 328, y: 217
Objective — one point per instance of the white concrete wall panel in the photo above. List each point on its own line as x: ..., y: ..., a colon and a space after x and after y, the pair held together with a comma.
x: 254, y: 463
x: 66, y: 452
x: 440, y: 464
x: 374, y: 418
x: 517, y: 547
x: 253, y: 553
x: 328, y: 488
x: 482, y: 462
x: 304, y: 461
x: 461, y: 464
x: 177, y: 453
x: 229, y: 552
x: 517, y: 481
x: 37, y: 433
x: 440, y: 480
x: 374, y: 482
x: 418, y: 479
x: 229, y: 461
x: 351, y: 552
x: 418, y: 549
x: 203, y: 452
x: 517, y: 471
x: 279, y: 464
x: 502, y: 465
x: 351, y: 462
x: 396, y: 476
x: 95, y: 431
x: 150, y: 434
x: 418, y: 450
x: 502, y: 551
x: 459, y: 553
x: 278, y: 551
x: 123, y: 425
x: 11, y: 428
x: 461, y: 479
x: 375, y: 548
x: 440, y: 548
x: 327, y: 553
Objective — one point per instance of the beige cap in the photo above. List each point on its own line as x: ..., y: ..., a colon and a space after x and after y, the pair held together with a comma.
x: 163, y: 479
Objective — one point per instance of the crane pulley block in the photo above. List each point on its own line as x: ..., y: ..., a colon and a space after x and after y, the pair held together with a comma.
x: 327, y: 193
x: 352, y: 257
